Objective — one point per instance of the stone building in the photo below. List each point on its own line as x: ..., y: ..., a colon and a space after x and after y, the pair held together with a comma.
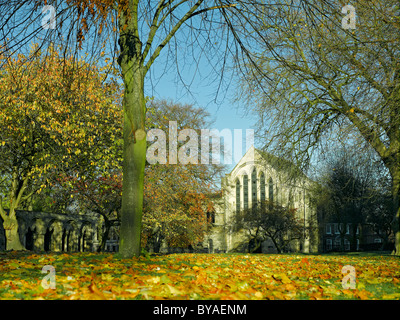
x: 45, y: 231
x: 258, y: 177
x: 339, y: 237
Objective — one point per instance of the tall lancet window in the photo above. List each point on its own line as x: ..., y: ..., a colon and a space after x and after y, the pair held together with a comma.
x: 254, y: 188
x: 271, y: 190
x: 262, y: 187
x: 237, y: 195
x: 245, y: 192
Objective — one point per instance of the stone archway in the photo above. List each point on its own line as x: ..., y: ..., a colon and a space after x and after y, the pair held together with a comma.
x: 69, y: 238
x: 85, y: 238
x: 53, y: 236
x: 65, y: 239
x: 32, y: 234
x: 47, y: 239
x: 72, y: 236
x: 30, y: 238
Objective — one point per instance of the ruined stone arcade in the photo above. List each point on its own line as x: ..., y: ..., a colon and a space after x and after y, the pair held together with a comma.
x: 44, y: 231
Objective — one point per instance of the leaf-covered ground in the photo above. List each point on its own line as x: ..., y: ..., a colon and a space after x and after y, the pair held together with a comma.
x: 198, y: 276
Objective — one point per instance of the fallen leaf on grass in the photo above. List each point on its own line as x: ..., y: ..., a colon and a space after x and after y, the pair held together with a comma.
x: 282, y: 277
x: 290, y: 287
x: 373, y: 281
x: 96, y: 293
x: 174, y: 291
x: 363, y: 295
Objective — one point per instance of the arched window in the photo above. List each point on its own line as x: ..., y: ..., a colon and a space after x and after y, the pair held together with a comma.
x: 262, y: 187
x: 210, y: 216
x: 245, y: 192
x: 254, y: 188
x: 271, y: 190
x: 237, y: 195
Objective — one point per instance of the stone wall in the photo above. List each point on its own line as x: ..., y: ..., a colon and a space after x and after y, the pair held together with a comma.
x: 44, y: 231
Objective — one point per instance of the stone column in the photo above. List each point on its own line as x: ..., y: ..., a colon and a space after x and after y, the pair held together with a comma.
x: 38, y: 236
x: 95, y: 242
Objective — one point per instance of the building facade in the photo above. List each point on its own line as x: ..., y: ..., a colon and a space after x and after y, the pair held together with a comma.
x: 256, y: 178
x: 339, y: 237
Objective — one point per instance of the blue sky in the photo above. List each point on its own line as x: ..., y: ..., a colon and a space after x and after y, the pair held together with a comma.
x: 226, y: 113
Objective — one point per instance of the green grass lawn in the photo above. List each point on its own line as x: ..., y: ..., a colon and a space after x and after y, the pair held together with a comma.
x: 199, y: 276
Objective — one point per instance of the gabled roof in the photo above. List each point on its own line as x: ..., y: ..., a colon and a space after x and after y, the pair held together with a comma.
x: 279, y: 164
x: 250, y: 153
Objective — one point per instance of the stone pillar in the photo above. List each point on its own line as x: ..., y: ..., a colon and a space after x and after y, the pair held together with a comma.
x: 74, y: 240
x: 95, y: 242
x: 56, y: 238
x: 38, y: 236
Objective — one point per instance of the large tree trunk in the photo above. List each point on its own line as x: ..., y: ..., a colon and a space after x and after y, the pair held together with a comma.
x: 10, y: 222
x: 396, y: 206
x: 134, y: 155
x: 134, y: 149
x: 10, y: 225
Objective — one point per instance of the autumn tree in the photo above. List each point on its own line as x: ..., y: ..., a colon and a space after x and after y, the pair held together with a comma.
x: 143, y: 29
x: 176, y: 195
x: 323, y: 75
x: 49, y: 125
x: 175, y: 207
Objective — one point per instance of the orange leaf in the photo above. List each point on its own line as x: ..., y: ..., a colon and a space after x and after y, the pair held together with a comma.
x: 363, y: 294
x: 97, y: 294
x: 290, y: 287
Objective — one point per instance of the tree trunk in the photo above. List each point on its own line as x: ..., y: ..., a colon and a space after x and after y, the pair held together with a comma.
x: 10, y: 222
x: 396, y: 206
x: 134, y: 155
x: 10, y: 225
x: 277, y: 246
x: 134, y: 134
x: 257, y: 245
x: 104, y: 238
